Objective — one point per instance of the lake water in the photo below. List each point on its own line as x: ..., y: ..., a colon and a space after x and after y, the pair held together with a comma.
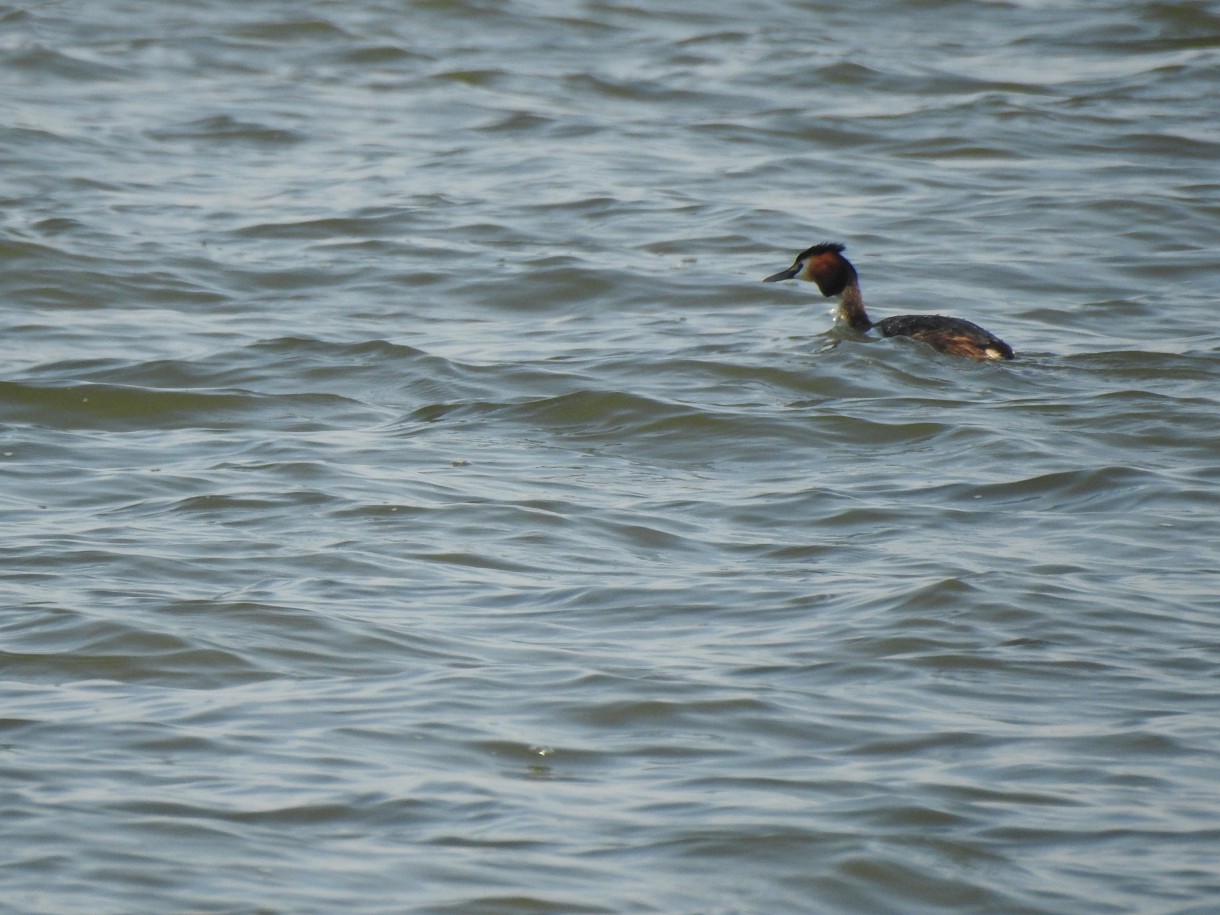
x: 414, y: 502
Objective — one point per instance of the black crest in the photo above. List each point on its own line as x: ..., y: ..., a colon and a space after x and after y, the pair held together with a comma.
x: 826, y: 247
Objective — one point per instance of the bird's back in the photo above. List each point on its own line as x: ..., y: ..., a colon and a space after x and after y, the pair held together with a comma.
x: 954, y: 336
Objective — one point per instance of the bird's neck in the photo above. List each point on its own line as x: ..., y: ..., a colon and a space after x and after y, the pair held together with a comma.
x: 851, y: 307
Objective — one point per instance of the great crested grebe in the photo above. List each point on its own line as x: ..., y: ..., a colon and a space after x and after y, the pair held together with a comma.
x: 825, y: 265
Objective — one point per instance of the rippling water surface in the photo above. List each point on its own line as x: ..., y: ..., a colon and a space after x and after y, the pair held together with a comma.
x: 414, y: 502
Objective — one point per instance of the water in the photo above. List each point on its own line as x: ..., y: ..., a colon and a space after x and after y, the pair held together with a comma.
x: 415, y: 502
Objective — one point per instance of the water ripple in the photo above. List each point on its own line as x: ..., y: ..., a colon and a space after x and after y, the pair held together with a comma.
x: 414, y: 500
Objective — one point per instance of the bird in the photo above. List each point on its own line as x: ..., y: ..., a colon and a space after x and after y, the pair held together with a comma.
x: 825, y: 265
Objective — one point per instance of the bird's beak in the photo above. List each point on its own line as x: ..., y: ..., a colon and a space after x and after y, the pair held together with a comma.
x: 783, y: 274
